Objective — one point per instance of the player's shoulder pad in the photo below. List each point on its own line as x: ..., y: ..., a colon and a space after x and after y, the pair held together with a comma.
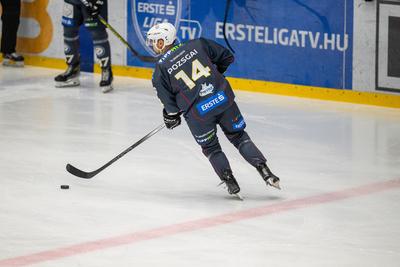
x: 156, y: 72
x: 202, y: 40
x: 206, y: 40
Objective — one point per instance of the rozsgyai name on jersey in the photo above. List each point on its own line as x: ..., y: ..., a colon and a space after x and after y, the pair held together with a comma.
x: 183, y: 60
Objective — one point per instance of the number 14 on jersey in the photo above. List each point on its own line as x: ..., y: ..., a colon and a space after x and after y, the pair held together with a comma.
x: 198, y: 71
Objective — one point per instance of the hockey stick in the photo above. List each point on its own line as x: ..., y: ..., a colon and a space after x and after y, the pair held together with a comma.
x: 228, y: 4
x: 134, y: 52
x: 87, y: 175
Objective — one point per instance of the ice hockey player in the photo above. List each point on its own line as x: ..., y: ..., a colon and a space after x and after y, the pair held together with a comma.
x: 10, y: 19
x: 189, y: 81
x: 76, y: 13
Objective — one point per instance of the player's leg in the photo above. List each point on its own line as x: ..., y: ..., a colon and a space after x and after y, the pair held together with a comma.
x: 10, y: 21
x: 233, y: 125
x: 71, y: 20
x: 101, y: 46
x: 205, y: 134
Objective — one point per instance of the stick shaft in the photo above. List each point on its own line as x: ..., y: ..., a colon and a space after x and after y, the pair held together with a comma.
x: 87, y: 175
x: 102, y: 20
x: 134, y: 52
x: 147, y: 136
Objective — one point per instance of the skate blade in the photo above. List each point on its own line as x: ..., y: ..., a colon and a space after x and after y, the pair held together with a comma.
x: 106, y: 89
x: 275, y: 185
x: 70, y: 83
x: 239, y: 196
x: 15, y: 64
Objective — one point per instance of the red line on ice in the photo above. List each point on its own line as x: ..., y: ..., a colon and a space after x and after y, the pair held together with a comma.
x: 194, y: 225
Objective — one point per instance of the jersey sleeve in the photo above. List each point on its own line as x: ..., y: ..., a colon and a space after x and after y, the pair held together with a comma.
x: 218, y: 54
x: 164, y: 91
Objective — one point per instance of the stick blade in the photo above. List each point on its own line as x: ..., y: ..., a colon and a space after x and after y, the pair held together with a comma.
x: 77, y: 172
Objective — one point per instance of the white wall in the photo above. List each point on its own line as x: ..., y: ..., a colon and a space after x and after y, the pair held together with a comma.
x: 365, y: 42
x: 364, y: 45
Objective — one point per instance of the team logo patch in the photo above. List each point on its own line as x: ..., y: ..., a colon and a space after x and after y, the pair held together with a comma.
x: 100, y: 51
x: 147, y: 13
x: 67, y: 49
x: 212, y: 103
x: 206, y: 89
x: 68, y: 15
x: 68, y: 11
x: 239, y: 125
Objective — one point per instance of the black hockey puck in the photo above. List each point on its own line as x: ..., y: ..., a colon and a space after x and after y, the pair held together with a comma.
x: 64, y: 186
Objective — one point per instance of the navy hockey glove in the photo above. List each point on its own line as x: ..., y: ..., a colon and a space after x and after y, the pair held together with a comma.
x: 93, y: 6
x: 171, y: 120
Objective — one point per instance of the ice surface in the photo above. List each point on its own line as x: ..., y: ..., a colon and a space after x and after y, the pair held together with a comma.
x: 316, y: 147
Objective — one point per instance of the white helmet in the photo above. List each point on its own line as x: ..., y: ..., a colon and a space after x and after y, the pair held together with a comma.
x: 164, y: 31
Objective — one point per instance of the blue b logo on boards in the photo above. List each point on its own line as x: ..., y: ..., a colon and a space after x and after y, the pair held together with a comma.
x: 147, y: 13
x: 144, y: 14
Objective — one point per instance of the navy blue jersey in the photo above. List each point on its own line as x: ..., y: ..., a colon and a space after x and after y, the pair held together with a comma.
x: 188, y: 78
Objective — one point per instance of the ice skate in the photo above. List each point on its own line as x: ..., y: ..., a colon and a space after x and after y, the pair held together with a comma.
x: 231, y: 184
x: 69, y: 78
x: 270, y: 178
x: 13, y: 60
x: 106, y: 80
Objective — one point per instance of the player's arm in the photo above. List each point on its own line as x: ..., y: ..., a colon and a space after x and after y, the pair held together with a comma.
x: 171, y: 112
x: 218, y: 54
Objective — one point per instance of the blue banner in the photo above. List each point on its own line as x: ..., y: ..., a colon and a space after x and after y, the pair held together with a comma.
x: 307, y: 42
